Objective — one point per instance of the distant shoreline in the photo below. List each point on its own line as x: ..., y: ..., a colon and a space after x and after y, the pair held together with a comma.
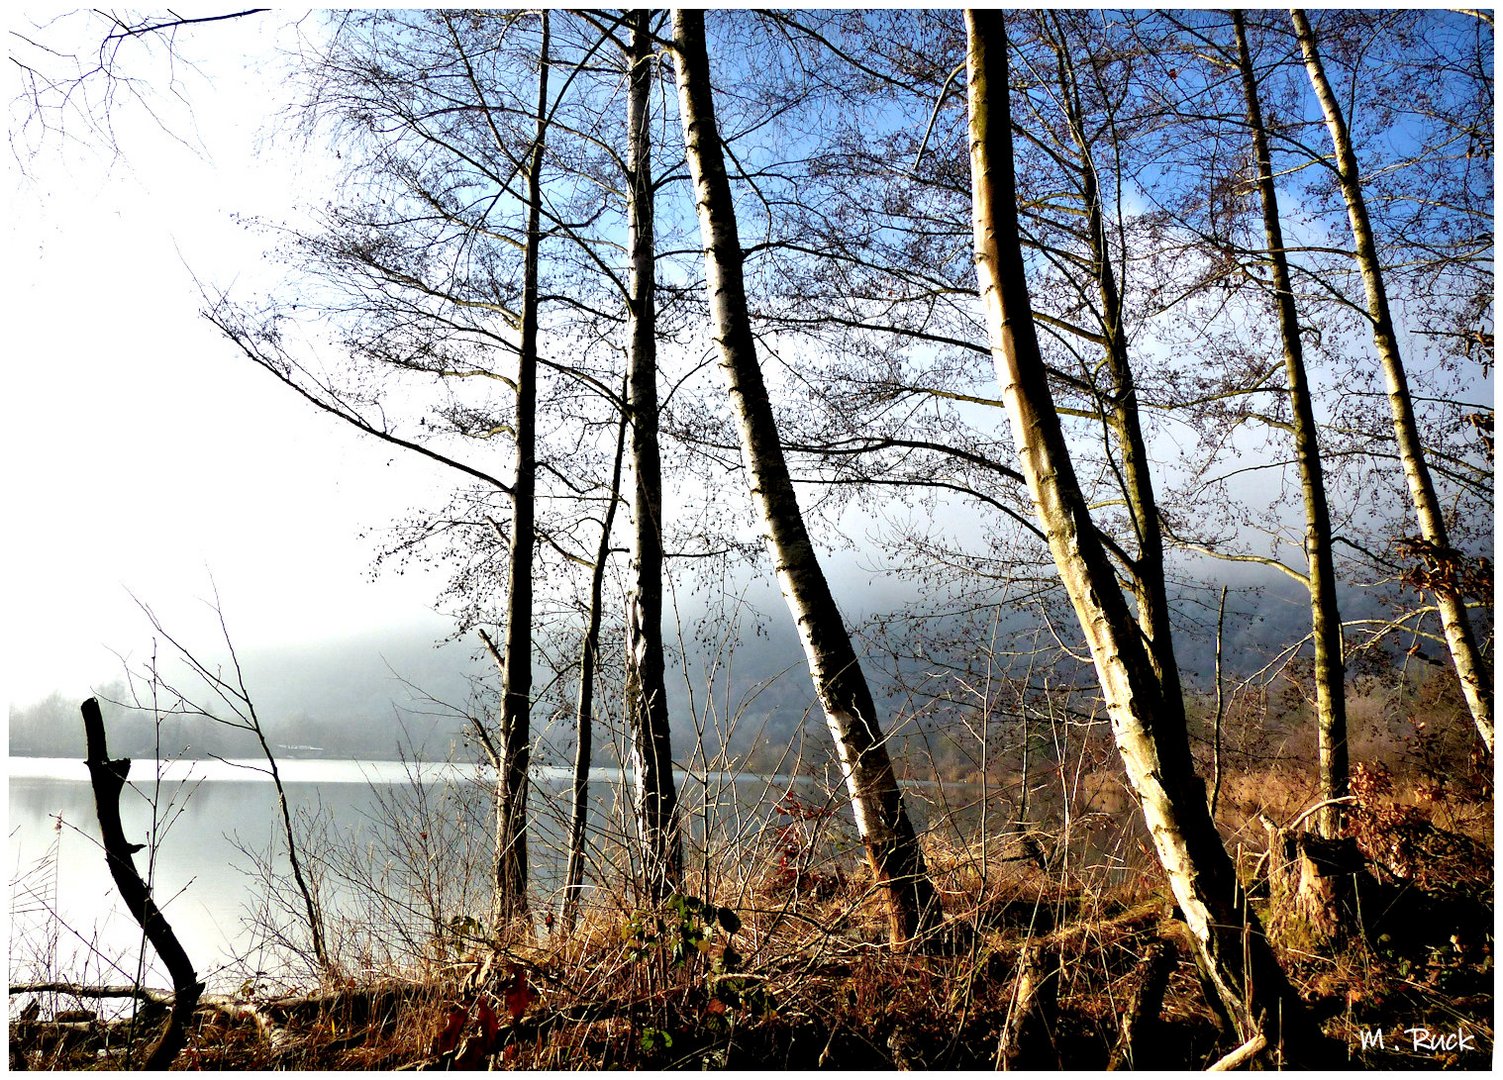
x: 282, y: 755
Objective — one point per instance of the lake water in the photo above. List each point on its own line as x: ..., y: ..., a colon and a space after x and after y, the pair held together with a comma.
x: 397, y: 849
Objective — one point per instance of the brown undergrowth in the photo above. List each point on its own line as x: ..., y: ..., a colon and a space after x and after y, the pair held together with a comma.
x: 793, y: 974
x: 1060, y: 950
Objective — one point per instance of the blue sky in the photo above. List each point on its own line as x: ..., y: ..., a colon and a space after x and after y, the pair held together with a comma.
x: 143, y: 452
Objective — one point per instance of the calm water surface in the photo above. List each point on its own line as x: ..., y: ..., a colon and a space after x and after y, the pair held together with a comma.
x: 210, y: 814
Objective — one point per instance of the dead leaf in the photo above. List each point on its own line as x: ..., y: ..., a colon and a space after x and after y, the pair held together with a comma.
x: 519, y: 994
x: 448, y: 1038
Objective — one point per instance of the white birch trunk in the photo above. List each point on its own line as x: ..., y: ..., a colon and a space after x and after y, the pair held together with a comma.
x: 892, y: 848
x: 656, y: 797
x: 1325, y: 615
x: 1147, y: 567
x: 1233, y: 953
x: 1471, y: 668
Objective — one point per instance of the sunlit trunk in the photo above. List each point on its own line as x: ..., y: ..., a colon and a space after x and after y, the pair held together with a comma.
x: 1233, y: 953
x: 1471, y: 668
x: 1146, y: 573
x: 1325, y: 616
x: 892, y: 847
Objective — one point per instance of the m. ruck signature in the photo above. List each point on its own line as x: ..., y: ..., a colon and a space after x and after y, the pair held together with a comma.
x: 1421, y: 1040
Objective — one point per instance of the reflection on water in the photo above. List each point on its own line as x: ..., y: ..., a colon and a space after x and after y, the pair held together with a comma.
x: 417, y: 836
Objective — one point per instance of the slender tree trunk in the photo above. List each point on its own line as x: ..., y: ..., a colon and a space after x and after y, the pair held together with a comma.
x: 311, y: 906
x: 1220, y: 714
x: 585, y: 712
x: 892, y: 847
x: 516, y: 690
x: 1233, y: 953
x: 1147, y: 571
x: 1471, y: 668
x: 1325, y: 615
x: 656, y: 797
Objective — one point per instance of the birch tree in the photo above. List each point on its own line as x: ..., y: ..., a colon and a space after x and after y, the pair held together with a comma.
x: 434, y: 272
x: 1118, y: 403
x: 514, y: 752
x: 584, y: 712
x: 892, y: 847
x: 647, y: 691
x: 1436, y: 552
x: 1235, y: 957
x: 1325, y: 614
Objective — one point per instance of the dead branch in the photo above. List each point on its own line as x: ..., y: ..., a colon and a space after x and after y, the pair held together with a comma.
x: 149, y: 994
x: 108, y: 780
x: 1242, y: 1055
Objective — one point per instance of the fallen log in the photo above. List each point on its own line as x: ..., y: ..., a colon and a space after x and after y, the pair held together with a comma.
x: 1242, y: 1055
x: 1141, y: 1019
x: 356, y: 1002
x: 82, y: 990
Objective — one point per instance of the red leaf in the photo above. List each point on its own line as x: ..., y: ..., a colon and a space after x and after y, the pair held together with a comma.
x: 448, y: 1038
x: 470, y: 1056
x: 489, y: 1023
x: 519, y: 995
x: 483, y: 1039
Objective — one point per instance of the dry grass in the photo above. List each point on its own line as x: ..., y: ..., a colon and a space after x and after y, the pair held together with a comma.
x: 804, y: 982
x: 801, y: 977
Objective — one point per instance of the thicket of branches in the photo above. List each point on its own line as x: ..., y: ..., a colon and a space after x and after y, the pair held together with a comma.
x: 676, y: 295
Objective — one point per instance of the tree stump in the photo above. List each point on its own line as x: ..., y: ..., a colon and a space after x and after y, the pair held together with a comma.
x: 1311, y: 888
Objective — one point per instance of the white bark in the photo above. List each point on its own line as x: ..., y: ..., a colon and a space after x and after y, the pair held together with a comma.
x: 657, y: 799
x: 1471, y: 668
x: 1151, y: 738
x: 892, y: 848
x: 1325, y: 615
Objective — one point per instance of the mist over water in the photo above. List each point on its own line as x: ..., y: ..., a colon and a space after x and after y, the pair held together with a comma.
x: 335, y: 712
x: 381, y: 696
x: 209, y: 816
x: 359, y: 826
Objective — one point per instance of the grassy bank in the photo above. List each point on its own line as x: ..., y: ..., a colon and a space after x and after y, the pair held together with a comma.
x: 789, y: 970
